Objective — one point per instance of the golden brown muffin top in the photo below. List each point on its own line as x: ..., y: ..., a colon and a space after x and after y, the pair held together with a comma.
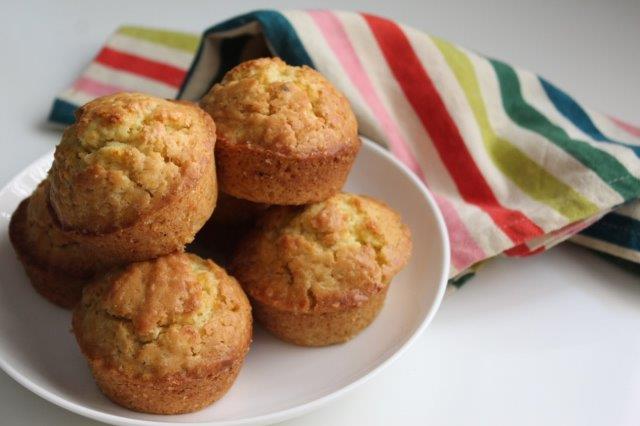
x: 267, y: 104
x: 126, y: 155
x: 176, y: 314
x: 323, y: 257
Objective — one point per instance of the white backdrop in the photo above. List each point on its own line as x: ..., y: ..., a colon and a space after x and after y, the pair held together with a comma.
x: 549, y: 340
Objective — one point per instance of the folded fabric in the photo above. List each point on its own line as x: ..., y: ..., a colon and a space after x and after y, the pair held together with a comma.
x: 515, y: 164
x: 133, y: 59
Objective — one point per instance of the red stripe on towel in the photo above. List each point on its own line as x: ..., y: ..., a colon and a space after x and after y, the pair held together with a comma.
x: 145, y: 67
x: 428, y: 105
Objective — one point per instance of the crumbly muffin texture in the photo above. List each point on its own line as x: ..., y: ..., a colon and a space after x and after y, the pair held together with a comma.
x: 270, y: 105
x: 176, y: 314
x: 324, y: 257
x: 51, y: 247
x: 126, y: 155
x: 47, y: 255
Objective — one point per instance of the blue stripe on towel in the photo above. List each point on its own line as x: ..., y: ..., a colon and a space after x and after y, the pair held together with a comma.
x: 574, y: 113
x: 62, y: 112
x: 616, y: 229
x: 282, y: 39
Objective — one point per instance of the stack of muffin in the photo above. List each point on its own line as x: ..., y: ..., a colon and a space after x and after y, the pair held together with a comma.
x: 134, y: 180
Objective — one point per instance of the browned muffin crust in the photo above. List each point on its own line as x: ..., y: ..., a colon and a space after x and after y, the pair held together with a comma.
x: 286, y: 135
x: 160, y: 396
x: 54, y: 284
x: 59, y: 262
x: 263, y: 176
x: 232, y: 219
x: 328, y: 328
x: 318, y: 274
x: 46, y: 243
x: 235, y: 212
x: 127, y: 156
x: 163, y: 231
x: 166, y: 336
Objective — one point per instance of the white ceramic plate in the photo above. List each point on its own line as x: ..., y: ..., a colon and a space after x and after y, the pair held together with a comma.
x: 278, y: 380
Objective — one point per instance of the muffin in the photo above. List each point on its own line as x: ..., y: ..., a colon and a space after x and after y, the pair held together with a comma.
x: 165, y: 336
x: 232, y: 212
x: 230, y: 222
x: 318, y: 275
x: 134, y: 177
x: 285, y: 135
x: 55, y: 263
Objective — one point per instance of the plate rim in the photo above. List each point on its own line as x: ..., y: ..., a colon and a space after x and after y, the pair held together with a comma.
x: 276, y: 416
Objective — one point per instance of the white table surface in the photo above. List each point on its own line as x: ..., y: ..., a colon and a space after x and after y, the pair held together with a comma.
x: 547, y: 340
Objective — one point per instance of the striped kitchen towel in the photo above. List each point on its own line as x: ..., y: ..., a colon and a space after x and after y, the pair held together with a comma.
x: 515, y: 164
x: 133, y: 59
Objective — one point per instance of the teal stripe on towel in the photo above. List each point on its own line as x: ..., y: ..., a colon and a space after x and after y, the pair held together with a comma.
x: 62, y: 112
x: 282, y: 39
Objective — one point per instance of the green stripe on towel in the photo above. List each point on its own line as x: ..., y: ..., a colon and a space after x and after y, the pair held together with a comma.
x: 173, y: 39
x: 602, y: 163
x: 525, y: 173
